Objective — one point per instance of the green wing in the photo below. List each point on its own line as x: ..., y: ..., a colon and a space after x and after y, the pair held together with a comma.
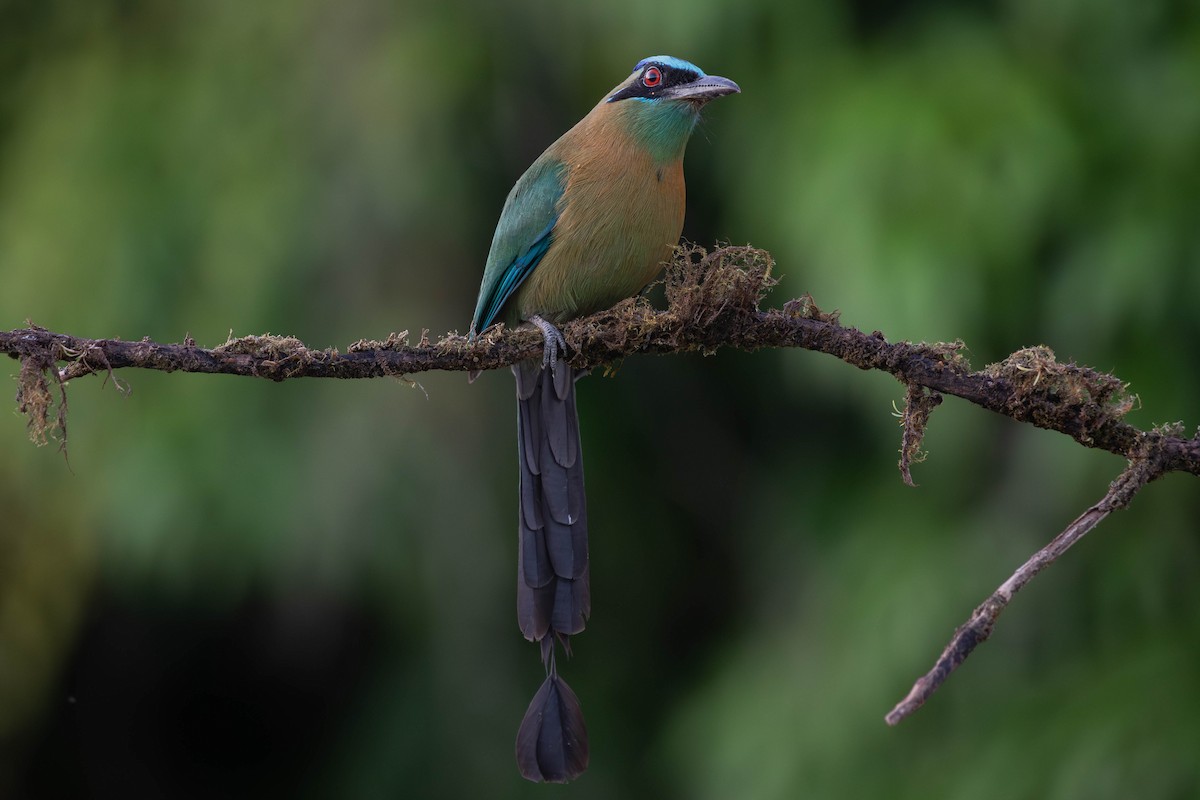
x: 522, y: 237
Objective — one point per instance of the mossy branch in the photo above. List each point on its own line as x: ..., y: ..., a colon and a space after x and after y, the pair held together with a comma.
x: 713, y: 301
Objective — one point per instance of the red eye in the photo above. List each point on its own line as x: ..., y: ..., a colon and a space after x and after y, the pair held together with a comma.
x: 651, y: 77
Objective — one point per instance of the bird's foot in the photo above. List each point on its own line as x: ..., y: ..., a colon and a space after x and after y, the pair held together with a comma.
x: 553, y: 343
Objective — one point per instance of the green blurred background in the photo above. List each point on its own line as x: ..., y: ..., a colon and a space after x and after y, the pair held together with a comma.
x: 238, y: 588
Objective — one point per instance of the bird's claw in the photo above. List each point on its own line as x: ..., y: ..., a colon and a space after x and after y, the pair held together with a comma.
x: 553, y: 342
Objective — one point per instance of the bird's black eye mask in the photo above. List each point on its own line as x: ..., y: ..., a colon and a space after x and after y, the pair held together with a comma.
x: 654, y: 81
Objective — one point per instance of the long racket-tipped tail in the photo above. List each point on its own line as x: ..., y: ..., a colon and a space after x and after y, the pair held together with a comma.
x: 553, y: 596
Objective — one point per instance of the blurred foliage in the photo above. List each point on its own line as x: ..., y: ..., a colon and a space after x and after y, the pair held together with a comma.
x: 239, y: 588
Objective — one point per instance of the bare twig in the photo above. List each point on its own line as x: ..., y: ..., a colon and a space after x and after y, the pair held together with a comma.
x: 978, y: 628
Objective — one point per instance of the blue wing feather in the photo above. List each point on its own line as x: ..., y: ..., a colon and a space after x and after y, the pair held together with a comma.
x: 517, y: 272
x: 523, y: 235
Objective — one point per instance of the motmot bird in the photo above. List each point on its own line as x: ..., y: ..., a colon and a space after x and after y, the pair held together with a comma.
x: 589, y: 224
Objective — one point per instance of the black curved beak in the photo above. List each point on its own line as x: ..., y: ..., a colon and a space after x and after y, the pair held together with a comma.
x: 703, y: 89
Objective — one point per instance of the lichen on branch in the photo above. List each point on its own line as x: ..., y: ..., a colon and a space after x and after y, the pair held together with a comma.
x: 713, y: 301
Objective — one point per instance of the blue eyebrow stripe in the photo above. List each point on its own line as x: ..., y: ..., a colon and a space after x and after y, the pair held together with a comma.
x: 670, y: 61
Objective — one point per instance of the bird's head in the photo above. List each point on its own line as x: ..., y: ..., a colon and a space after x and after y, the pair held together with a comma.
x: 662, y: 99
x: 668, y: 81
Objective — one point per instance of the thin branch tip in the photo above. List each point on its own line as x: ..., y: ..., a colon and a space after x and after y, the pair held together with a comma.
x: 978, y: 628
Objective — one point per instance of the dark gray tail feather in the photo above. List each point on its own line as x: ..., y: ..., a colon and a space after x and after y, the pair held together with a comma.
x: 553, y: 597
x: 552, y: 743
x: 552, y: 554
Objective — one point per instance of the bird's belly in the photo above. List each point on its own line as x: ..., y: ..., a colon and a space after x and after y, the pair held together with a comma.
x: 605, y: 251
